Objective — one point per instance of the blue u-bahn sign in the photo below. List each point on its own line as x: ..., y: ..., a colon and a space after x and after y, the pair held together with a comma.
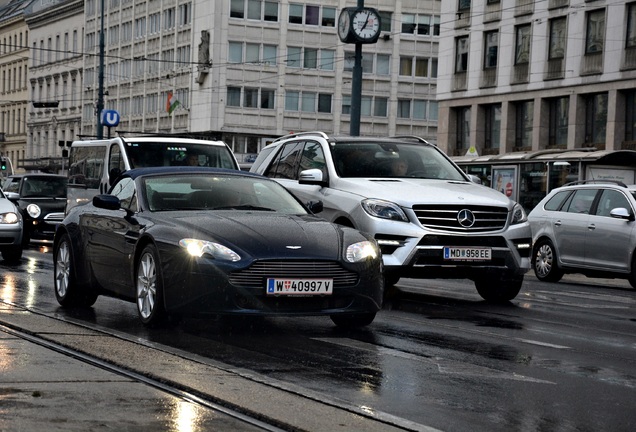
x: 110, y: 118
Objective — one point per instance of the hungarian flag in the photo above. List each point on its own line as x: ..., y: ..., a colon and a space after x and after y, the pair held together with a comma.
x: 170, y: 105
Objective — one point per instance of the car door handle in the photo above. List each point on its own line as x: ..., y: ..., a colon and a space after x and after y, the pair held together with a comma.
x: 558, y: 223
x: 591, y: 227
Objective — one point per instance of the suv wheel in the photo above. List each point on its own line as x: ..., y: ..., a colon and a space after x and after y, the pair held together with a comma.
x: 498, y: 290
x: 632, y: 275
x: 544, y: 262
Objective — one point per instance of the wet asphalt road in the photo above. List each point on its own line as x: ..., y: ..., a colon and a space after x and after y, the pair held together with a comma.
x: 559, y: 357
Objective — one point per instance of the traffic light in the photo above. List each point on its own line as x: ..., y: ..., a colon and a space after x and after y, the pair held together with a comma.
x: 3, y: 162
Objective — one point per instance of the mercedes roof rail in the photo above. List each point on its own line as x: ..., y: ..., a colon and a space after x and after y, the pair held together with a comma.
x: 597, y: 181
x: 299, y: 134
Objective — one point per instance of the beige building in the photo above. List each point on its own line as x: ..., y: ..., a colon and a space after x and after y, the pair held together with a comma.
x: 14, y: 55
x: 55, y: 82
x: 520, y: 75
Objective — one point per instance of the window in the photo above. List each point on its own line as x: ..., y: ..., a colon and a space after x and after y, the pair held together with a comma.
x: 140, y: 27
x: 327, y: 59
x: 308, y: 102
x: 295, y: 13
x: 461, y: 54
x: 524, y: 116
x: 419, y: 109
x: 404, y: 108
x: 408, y: 23
x: 491, y: 41
x: 595, y: 34
x: 346, y: 104
x: 558, y: 111
x: 463, y: 5
x: 293, y: 57
x: 406, y: 66
x: 270, y: 11
x: 254, y: 9
x: 310, y: 59
x: 234, y: 96
x: 237, y: 9
x: 252, y: 53
x: 168, y: 19
x: 630, y: 41
x: 291, y: 100
x: 328, y: 17
x: 185, y: 14
x: 250, y: 97
x: 558, y: 36
x: 267, y: 99
x: 365, y: 105
x: 463, y: 127
x: 324, y: 103
x: 383, y: 65
x: 630, y: 116
x: 312, y: 15
x: 385, y: 21
x: 270, y: 52
x: 493, y: 126
x: 380, y: 107
x: 235, y: 53
x: 421, y: 67
x: 522, y: 44
x: 595, y: 118
x: 611, y: 199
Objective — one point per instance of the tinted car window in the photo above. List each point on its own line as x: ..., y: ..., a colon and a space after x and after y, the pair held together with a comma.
x: 313, y: 158
x: 611, y: 199
x: 125, y: 191
x: 555, y: 202
x: 582, y: 201
x: 284, y: 165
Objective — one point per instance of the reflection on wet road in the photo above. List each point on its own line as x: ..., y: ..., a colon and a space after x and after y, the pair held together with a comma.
x: 559, y: 357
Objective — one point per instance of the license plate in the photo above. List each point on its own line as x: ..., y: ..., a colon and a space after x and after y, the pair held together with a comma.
x: 299, y: 287
x: 467, y: 254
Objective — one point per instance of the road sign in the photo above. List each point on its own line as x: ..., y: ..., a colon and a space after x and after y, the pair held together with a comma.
x: 110, y: 118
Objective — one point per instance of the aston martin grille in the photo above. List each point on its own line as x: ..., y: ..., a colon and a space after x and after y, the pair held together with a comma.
x: 447, y: 218
x: 257, y: 274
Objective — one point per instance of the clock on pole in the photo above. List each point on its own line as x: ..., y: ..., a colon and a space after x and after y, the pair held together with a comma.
x: 359, y: 25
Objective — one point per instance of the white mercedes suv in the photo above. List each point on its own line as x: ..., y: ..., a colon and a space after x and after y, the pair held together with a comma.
x: 429, y: 218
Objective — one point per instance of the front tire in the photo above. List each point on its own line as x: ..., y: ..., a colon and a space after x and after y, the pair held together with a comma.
x: 149, y: 288
x: 545, y: 262
x: 632, y: 275
x: 67, y: 291
x: 499, y: 290
x: 349, y: 321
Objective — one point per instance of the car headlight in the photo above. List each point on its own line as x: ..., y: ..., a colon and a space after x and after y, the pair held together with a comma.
x: 384, y: 209
x: 518, y: 214
x: 200, y: 247
x: 361, y: 251
x: 9, y: 218
x: 33, y: 210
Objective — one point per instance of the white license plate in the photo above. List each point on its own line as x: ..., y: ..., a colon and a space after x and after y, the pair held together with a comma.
x: 467, y: 254
x: 299, y: 287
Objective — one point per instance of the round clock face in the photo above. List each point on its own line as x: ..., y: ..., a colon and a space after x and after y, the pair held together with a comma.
x: 366, y: 24
x: 344, y: 24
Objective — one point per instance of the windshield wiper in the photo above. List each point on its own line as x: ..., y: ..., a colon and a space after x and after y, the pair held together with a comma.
x: 244, y: 207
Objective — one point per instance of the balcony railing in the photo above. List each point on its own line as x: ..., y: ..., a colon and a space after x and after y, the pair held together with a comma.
x: 524, y: 7
x: 630, y: 58
x: 493, y: 12
x: 460, y: 81
x: 592, y: 63
x: 555, y: 69
x: 489, y: 77
x: 553, y: 4
x: 520, y: 73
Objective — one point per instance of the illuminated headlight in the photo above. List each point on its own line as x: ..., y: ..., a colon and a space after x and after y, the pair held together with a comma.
x: 518, y: 214
x: 200, y: 247
x: 384, y: 209
x: 33, y: 210
x: 9, y: 218
x: 361, y: 251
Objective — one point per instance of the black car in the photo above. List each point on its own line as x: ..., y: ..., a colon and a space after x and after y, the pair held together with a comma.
x: 41, y: 199
x: 183, y: 241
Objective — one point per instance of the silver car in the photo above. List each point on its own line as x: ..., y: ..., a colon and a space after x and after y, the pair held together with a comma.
x: 429, y: 218
x: 586, y: 228
x: 11, y: 227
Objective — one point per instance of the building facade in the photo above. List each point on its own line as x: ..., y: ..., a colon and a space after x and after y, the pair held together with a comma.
x: 56, y: 64
x: 521, y: 75
x: 246, y: 71
x: 14, y: 55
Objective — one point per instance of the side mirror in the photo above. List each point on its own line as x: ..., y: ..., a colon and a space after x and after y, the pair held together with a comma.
x: 312, y: 177
x: 474, y: 178
x: 108, y: 202
x: 315, y: 206
x: 12, y: 196
x: 621, y: 213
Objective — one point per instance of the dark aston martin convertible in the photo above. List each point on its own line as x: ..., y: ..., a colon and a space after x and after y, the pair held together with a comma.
x: 189, y: 241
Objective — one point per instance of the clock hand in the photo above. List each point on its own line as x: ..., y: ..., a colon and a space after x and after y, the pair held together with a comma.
x: 366, y: 21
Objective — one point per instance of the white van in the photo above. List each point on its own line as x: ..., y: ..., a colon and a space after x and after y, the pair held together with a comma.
x: 94, y: 164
